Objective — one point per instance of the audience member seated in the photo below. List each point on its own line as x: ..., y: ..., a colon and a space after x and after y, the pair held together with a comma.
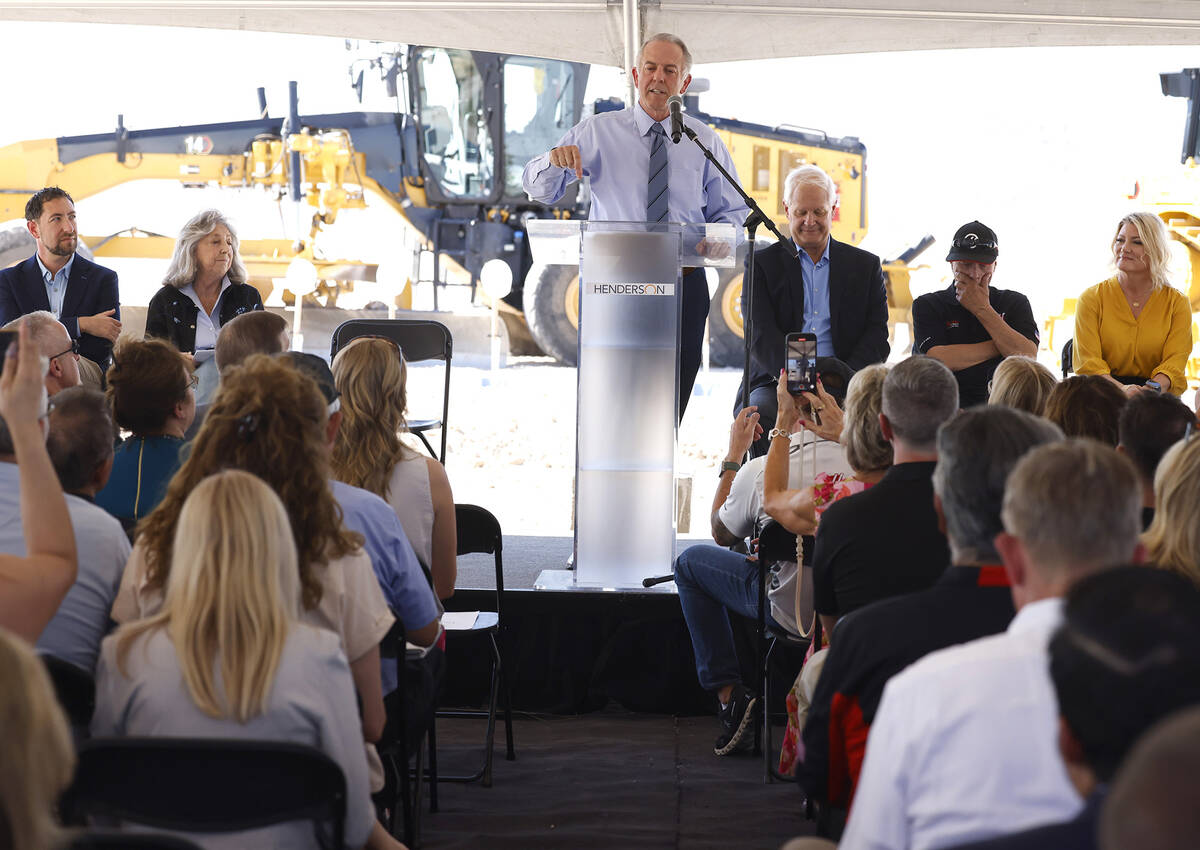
x: 972, y: 598
x: 1135, y: 329
x: 1087, y: 406
x: 1149, y: 424
x: 81, y: 448
x: 1154, y: 803
x: 151, y: 390
x: 34, y: 585
x: 1130, y: 642
x: 713, y: 581
x: 971, y: 325
x: 1023, y: 383
x: 204, y: 288
x: 53, y: 342
x: 963, y: 744
x: 405, y: 585
x: 271, y: 420
x: 1173, y: 539
x: 886, y: 541
x: 370, y: 374
x: 226, y: 656
x: 39, y: 758
x: 812, y: 451
x: 256, y: 332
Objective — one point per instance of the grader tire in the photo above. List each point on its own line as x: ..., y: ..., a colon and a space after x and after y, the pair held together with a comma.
x: 726, y: 346
x: 551, y: 301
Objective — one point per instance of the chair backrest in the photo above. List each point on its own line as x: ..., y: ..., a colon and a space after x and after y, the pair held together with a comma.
x: 1068, y: 358
x: 419, y: 339
x: 479, y: 531
x: 207, y: 785
x: 75, y: 689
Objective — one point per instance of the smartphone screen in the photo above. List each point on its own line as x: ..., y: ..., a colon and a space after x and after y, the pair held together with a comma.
x: 801, y: 363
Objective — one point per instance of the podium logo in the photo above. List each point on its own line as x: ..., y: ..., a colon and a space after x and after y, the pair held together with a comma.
x: 630, y: 289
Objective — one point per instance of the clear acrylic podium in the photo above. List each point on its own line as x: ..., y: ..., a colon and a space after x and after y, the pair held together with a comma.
x: 628, y: 386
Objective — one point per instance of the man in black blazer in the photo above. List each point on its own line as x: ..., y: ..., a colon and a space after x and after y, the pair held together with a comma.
x: 82, y: 295
x: 832, y: 289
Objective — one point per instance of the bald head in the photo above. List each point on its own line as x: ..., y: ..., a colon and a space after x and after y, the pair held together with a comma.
x: 53, y: 342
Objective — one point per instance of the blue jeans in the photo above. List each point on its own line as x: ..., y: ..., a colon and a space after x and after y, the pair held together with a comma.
x: 712, y: 582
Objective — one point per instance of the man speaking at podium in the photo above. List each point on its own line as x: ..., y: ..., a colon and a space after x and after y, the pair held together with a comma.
x: 637, y: 175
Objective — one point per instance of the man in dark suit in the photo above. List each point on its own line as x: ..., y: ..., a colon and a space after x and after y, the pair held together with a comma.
x: 832, y: 289
x: 80, y: 294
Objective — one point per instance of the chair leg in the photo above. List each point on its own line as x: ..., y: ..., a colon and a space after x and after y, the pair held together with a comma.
x: 428, y: 447
x: 510, y: 754
x: 412, y: 836
x: 766, y: 712
x: 491, y: 721
x: 433, y: 768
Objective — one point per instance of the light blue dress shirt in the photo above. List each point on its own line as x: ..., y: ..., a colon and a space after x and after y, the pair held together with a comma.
x: 396, y: 566
x: 816, y: 300
x: 615, y: 150
x: 56, y: 284
x: 208, y: 325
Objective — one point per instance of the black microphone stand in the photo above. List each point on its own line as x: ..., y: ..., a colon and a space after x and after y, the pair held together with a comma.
x: 756, y: 217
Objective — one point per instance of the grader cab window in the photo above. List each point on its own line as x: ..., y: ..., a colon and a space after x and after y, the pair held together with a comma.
x: 539, y: 106
x: 456, y: 142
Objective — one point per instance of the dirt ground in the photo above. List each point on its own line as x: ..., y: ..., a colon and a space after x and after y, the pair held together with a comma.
x: 511, y: 440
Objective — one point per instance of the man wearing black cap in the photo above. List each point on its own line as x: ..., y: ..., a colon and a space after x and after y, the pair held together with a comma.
x: 970, y: 326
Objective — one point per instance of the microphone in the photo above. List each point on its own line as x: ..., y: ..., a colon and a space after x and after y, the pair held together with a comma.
x: 675, y: 104
x: 650, y: 582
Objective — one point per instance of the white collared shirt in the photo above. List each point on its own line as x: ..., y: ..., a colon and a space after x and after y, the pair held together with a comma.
x: 965, y: 745
x: 208, y: 325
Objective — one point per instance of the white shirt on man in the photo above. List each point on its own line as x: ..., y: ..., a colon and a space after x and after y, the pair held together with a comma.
x: 965, y: 745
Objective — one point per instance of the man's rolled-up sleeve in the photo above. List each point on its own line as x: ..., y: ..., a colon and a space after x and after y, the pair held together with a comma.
x: 928, y: 331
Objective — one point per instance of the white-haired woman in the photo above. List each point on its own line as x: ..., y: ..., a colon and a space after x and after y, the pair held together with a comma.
x: 204, y: 287
x: 1135, y: 328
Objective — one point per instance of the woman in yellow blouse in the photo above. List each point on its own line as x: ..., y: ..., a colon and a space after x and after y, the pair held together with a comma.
x: 1135, y: 328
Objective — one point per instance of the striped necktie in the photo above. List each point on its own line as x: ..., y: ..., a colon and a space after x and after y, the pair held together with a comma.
x: 656, y: 187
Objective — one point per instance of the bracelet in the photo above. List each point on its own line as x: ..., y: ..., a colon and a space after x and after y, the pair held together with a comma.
x: 778, y: 432
x: 730, y: 466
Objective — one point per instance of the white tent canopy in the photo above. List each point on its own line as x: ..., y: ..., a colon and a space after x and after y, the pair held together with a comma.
x: 600, y: 31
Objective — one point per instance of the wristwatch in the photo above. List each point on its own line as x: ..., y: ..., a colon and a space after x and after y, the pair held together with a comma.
x: 730, y: 466
x: 778, y: 432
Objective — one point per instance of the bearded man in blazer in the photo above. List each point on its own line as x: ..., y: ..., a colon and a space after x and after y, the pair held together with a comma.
x: 80, y: 294
x: 832, y: 289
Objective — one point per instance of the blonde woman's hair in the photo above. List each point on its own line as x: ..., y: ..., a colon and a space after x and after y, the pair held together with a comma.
x: 1173, y: 539
x: 182, y: 270
x: 1154, y: 239
x: 231, y: 597
x: 370, y: 374
x: 866, y: 449
x: 1022, y: 383
x: 38, y: 755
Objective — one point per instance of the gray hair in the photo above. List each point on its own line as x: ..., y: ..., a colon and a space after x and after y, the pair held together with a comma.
x: 41, y: 327
x: 866, y: 449
x: 976, y: 451
x: 81, y: 436
x: 920, y: 393
x: 1076, y: 506
x: 1154, y: 239
x: 809, y: 175
x: 672, y: 39
x: 182, y: 271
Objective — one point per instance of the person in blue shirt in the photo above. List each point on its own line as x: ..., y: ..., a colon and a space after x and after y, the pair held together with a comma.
x: 614, y: 151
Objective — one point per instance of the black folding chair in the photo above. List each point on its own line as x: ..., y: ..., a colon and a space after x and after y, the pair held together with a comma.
x: 419, y: 339
x: 114, y: 839
x: 479, y: 532
x: 775, y: 543
x: 76, y: 692
x: 207, y: 785
x: 1068, y: 358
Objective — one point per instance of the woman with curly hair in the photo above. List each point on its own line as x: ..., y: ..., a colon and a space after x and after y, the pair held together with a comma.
x: 370, y: 374
x: 226, y: 656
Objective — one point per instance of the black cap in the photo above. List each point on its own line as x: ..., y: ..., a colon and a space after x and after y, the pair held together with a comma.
x: 317, y: 369
x: 835, y: 377
x: 974, y: 242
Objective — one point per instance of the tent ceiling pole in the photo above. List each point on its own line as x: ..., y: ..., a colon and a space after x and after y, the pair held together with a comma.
x: 631, y: 24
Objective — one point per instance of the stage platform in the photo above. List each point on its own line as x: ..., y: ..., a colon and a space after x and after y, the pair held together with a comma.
x: 576, y: 651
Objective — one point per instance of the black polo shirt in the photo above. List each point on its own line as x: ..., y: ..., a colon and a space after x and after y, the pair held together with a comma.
x: 877, y: 642
x: 938, y: 319
x: 879, y: 543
